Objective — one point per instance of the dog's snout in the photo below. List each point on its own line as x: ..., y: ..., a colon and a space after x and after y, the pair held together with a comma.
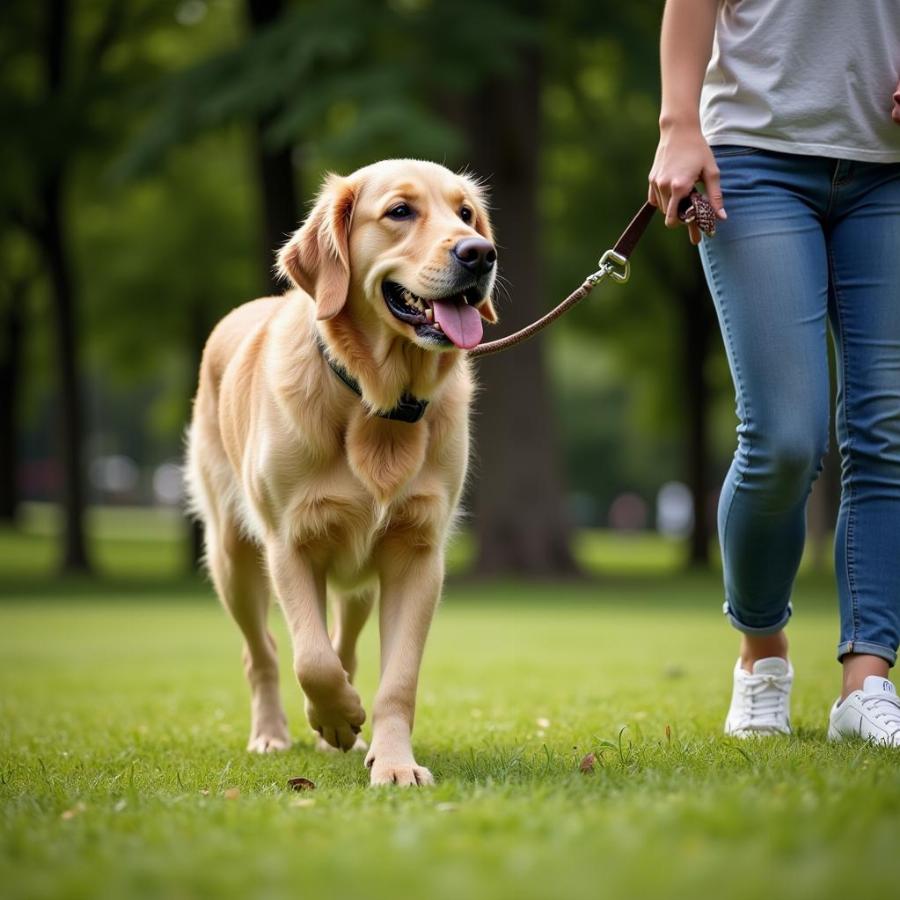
x: 475, y: 254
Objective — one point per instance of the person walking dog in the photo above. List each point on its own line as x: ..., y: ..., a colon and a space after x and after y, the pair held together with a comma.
x: 783, y: 110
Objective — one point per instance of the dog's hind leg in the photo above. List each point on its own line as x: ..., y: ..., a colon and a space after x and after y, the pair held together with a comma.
x: 351, y: 611
x: 242, y: 584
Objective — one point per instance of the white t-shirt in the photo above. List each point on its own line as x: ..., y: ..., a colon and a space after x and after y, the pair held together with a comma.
x: 813, y: 77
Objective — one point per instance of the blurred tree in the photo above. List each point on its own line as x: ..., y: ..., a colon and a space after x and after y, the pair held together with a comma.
x: 77, y: 81
x: 181, y: 255
x: 41, y: 108
x: 52, y: 238
x: 520, y: 513
x: 340, y: 83
x: 275, y: 164
x: 59, y: 82
x: 12, y: 332
x: 18, y: 280
x: 602, y: 108
x: 75, y: 78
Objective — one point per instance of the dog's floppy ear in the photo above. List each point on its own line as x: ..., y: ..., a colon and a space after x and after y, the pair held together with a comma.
x: 317, y: 257
x: 483, y: 227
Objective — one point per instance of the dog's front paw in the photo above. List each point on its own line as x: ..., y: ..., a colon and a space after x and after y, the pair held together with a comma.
x: 400, y: 774
x: 336, y: 713
x: 401, y: 770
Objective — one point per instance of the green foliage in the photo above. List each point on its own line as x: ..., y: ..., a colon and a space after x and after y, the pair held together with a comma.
x: 177, y: 251
x: 344, y: 79
x: 105, y: 55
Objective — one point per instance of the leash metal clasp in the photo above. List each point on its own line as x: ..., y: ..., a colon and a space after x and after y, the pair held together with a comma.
x: 615, y: 265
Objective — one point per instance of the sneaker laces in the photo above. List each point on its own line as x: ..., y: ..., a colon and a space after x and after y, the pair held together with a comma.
x: 766, y: 695
x: 885, y: 709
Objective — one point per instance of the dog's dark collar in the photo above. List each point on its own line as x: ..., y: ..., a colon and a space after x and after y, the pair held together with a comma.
x: 409, y: 409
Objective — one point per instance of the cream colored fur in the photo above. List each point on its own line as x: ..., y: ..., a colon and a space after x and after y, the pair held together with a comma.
x: 302, y: 489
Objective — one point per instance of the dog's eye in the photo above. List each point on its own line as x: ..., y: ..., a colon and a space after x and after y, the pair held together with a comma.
x: 400, y: 211
x: 466, y: 214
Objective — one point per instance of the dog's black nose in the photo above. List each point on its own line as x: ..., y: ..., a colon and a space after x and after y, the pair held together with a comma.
x: 476, y: 254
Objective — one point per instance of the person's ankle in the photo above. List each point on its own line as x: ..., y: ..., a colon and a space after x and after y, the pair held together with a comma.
x: 858, y: 667
x: 756, y: 647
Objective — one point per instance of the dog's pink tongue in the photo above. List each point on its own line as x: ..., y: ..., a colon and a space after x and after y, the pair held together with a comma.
x: 461, y: 322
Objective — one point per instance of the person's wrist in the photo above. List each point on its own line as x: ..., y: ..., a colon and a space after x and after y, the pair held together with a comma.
x: 679, y: 121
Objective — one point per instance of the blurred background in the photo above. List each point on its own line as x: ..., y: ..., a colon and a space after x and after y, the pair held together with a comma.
x: 154, y: 155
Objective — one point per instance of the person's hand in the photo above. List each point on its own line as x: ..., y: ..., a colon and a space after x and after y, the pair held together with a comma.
x: 682, y: 159
x: 895, y: 112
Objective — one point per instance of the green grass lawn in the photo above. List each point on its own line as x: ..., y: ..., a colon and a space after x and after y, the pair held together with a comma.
x: 122, y: 771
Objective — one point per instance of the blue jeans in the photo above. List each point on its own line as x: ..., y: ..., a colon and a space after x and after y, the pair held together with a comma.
x: 807, y: 241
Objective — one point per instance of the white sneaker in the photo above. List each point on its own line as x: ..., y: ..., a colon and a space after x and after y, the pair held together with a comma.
x: 872, y: 713
x: 761, y: 702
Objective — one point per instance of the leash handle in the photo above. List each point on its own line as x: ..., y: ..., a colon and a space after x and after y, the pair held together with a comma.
x: 613, y: 264
x: 696, y: 208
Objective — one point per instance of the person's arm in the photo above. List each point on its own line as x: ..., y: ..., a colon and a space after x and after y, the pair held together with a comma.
x: 683, y: 156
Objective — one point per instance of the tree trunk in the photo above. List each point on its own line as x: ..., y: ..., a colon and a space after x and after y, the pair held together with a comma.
x: 519, y: 499
x: 10, y: 370
x: 698, y: 328
x: 74, y: 546
x: 63, y: 301
x: 275, y: 167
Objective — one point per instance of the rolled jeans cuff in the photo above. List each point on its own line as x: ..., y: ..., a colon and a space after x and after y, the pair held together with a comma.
x: 868, y: 648
x: 758, y: 630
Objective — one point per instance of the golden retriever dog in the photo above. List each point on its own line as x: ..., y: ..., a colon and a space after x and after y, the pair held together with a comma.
x: 329, y: 444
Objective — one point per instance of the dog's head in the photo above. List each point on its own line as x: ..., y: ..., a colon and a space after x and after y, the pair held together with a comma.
x: 401, y: 245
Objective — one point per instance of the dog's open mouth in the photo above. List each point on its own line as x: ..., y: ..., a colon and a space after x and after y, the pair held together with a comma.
x: 445, y: 320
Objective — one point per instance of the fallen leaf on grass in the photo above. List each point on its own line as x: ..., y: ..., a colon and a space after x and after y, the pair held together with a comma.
x: 587, y: 764
x: 232, y: 793
x: 301, y: 784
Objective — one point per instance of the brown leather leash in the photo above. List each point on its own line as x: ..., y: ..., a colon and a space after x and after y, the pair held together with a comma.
x: 613, y: 264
